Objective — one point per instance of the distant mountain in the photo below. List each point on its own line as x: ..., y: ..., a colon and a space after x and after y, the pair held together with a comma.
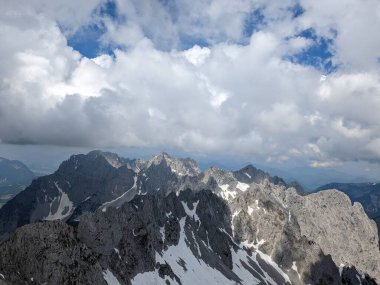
x: 311, y: 177
x: 102, y: 219
x: 367, y: 194
x: 14, y: 177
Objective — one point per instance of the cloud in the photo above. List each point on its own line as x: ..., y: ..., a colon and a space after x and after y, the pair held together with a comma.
x: 238, y: 94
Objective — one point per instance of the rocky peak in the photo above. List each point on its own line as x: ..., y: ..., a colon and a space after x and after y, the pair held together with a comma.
x: 179, y: 166
x: 112, y: 158
x: 251, y: 174
x: 219, y: 175
x: 93, y: 162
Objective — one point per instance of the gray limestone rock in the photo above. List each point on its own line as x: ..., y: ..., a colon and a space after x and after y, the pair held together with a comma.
x: 48, y: 253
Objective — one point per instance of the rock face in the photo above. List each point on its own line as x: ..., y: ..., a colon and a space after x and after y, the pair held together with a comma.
x: 163, y: 221
x: 367, y: 194
x: 325, y: 222
x: 48, y: 253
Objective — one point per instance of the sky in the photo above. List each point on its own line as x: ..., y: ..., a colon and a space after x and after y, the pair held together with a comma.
x: 289, y: 85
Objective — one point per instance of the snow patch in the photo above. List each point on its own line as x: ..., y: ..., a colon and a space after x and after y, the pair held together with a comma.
x: 117, y: 251
x: 119, y: 200
x: 191, y: 213
x: 196, y: 272
x: 176, y: 172
x: 257, y: 204
x: 295, y: 268
x: 341, y: 266
x: 226, y: 194
x: 224, y: 187
x: 251, y: 208
x: 162, y: 232
x: 358, y: 277
x: 86, y: 199
x: 150, y: 278
x: 238, y: 257
x: 242, y: 186
x: 65, y: 206
x: 249, y: 176
x: 268, y: 260
x: 232, y: 220
x: 110, y: 278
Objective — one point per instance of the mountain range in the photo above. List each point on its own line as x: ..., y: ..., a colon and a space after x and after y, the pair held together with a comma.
x: 103, y: 219
x: 14, y: 177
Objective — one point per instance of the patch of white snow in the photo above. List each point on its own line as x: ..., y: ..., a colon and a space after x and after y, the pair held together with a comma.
x: 242, y: 186
x: 110, y: 278
x: 191, y: 213
x: 65, y: 206
x: 119, y: 200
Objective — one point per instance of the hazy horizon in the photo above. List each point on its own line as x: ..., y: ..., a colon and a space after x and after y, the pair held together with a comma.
x: 46, y: 159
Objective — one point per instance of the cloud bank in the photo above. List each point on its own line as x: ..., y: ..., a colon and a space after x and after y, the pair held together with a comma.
x: 244, y: 77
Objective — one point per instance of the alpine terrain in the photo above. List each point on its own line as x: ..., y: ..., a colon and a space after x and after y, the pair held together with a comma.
x: 103, y: 219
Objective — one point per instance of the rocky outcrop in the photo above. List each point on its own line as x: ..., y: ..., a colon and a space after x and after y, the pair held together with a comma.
x: 48, y: 253
x: 368, y: 194
x: 297, y: 230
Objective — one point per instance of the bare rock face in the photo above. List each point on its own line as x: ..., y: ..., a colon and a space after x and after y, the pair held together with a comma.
x: 341, y: 229
x: 48, y: 253
x: 300, y: 231
x: 368, y: 194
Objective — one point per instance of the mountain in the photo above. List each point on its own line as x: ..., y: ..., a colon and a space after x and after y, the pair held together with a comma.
x: 367, y: 194
x: 101, y: 219
x: 313, y: 177
x: 14, y: 177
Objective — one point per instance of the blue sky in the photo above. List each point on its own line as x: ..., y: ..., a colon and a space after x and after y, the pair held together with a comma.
x: 88, y: 39
x: 284, y: 84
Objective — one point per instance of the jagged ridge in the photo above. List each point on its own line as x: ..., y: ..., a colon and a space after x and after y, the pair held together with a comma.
x: 248, y: 227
